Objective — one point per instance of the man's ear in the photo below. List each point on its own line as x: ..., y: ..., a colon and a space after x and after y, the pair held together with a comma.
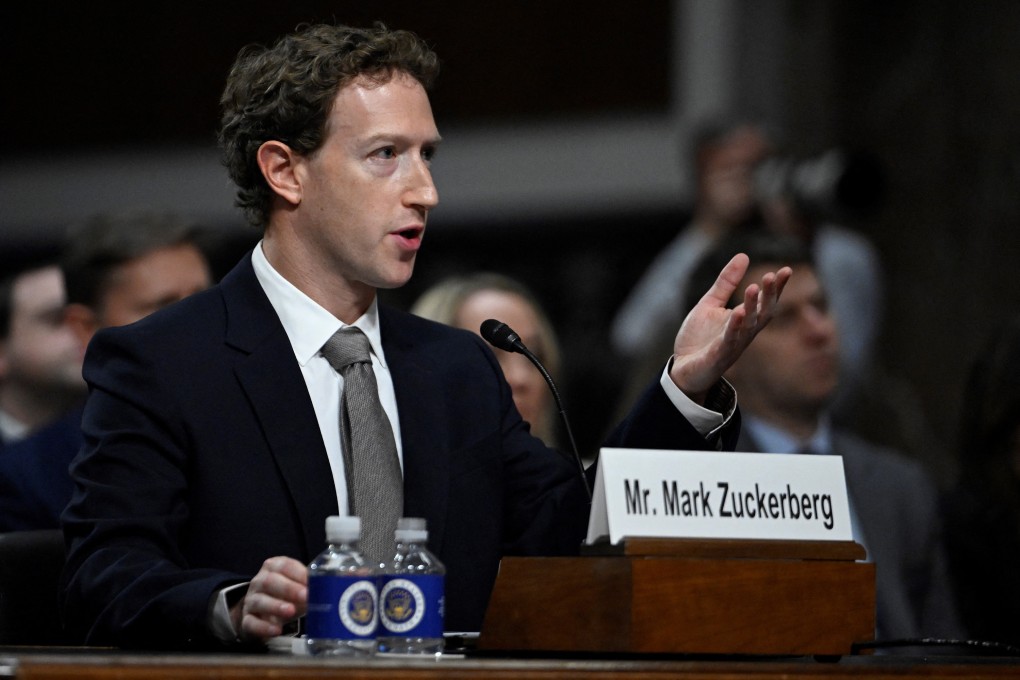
x: 82, y: 321
x: 278, y: 162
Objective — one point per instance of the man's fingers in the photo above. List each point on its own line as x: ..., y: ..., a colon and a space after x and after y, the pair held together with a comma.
x: 772, y: 287
x: 268, y: 607
x: 752, y: 297
x: 264, y: 616
x: 760, y: 299
x: 256, y: 627
x: 727, y: 281
x: 735, y: 323
x: 287, y: 566
x: 295, y: 571
x: 277, y: 594
x: 282, y: 577
x: 782, y: 277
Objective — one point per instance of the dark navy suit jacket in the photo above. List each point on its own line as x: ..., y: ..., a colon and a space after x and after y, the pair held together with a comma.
x: 203, y: 457
x: 34, y: 481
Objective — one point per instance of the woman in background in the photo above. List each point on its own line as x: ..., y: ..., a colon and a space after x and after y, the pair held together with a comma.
x: 466, y: 301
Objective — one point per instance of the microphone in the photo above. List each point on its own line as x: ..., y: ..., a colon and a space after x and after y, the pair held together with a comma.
x: 499, y: 335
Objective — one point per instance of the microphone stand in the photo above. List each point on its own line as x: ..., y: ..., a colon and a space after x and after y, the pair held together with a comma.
x: 523, y: 349
x: 501, y: 336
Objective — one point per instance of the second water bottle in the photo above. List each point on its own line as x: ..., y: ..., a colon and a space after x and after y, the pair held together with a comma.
x: 411, y: 594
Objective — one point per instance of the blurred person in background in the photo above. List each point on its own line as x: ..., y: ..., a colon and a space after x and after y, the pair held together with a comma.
x: 467, y: 301
x: 743, y: 183
x: 786, y: 381
x: 40, y: 359
x: 807, y: 199
x: 983, y: 509
x: 118, y: 268
x: 121, y: 267
x: 725, y: 155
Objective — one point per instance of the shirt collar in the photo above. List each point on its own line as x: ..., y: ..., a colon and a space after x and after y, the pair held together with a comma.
x: 772, y: 439
x: 308, y: 324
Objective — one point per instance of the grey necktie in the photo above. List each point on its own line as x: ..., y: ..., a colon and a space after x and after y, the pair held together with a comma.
x: 375, y: 489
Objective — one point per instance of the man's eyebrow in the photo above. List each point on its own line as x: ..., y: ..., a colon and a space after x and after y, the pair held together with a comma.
x: 401, y: 138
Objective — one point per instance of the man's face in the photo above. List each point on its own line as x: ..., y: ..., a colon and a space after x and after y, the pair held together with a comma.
x: 792, y: 366
x: 367, y: 191
x: 150, y: 282
x: 41, y: 352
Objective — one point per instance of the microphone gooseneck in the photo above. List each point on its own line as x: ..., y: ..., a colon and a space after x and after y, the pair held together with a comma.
x: 501, y: 336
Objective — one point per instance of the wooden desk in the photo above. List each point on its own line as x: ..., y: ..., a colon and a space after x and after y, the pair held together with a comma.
x: 40, y: 664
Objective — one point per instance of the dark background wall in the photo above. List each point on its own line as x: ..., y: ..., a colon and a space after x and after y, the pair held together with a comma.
x: 85, y: 75
x: 933, y: 88
x: 929, y: 87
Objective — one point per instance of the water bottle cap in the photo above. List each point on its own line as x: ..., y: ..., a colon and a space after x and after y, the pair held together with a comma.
x: 411, y: 529
x: 411, y: 523
x: 343, y: 528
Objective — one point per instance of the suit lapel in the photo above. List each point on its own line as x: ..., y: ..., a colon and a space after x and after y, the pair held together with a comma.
x: 270, y: 377
x: 423, y: 427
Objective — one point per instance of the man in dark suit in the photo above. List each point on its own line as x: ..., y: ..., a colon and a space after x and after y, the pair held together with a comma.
x: 117, y: 268
x: 786, y: 381
x: 213, y: 451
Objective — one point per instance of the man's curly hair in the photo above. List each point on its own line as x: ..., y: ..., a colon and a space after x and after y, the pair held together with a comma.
x: 286, y: 92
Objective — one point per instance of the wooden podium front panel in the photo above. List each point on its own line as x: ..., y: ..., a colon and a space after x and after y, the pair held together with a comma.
x: 559, y: 604
x: 680, y: 605
x: 751, y: 606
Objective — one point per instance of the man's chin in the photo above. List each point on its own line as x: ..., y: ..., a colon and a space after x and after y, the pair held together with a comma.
x: 395, y: 281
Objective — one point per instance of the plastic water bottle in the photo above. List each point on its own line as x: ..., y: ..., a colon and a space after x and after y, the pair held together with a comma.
x: 411, y: 594
x: 343, y: 600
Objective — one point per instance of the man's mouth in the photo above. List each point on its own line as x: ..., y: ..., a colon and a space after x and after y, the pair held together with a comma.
x: 410, y: 236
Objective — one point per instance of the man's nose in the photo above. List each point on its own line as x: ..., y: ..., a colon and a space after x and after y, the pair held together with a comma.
x: 818, y: 322
x: 421, y: 189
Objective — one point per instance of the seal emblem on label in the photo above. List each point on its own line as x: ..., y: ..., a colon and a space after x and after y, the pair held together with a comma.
x: 403, y: 605
x: 358, y: 608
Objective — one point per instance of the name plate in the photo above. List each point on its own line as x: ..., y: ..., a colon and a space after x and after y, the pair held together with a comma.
x: 655, y: 493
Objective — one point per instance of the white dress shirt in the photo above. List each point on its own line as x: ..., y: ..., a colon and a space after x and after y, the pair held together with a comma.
x: 308, y: 327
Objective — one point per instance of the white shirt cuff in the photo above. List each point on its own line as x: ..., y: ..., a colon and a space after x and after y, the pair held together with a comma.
x: 219, y: 619
x: 706, y: 421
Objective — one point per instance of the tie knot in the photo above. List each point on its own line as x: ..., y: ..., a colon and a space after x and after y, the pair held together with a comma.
x: 347, y: 346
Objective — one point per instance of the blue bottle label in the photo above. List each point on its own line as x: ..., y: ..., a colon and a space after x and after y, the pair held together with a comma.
x: 341, y: 607
x: 412, y: 605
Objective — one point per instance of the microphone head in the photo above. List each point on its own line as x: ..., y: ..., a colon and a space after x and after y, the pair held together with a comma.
x: 498, y: 334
